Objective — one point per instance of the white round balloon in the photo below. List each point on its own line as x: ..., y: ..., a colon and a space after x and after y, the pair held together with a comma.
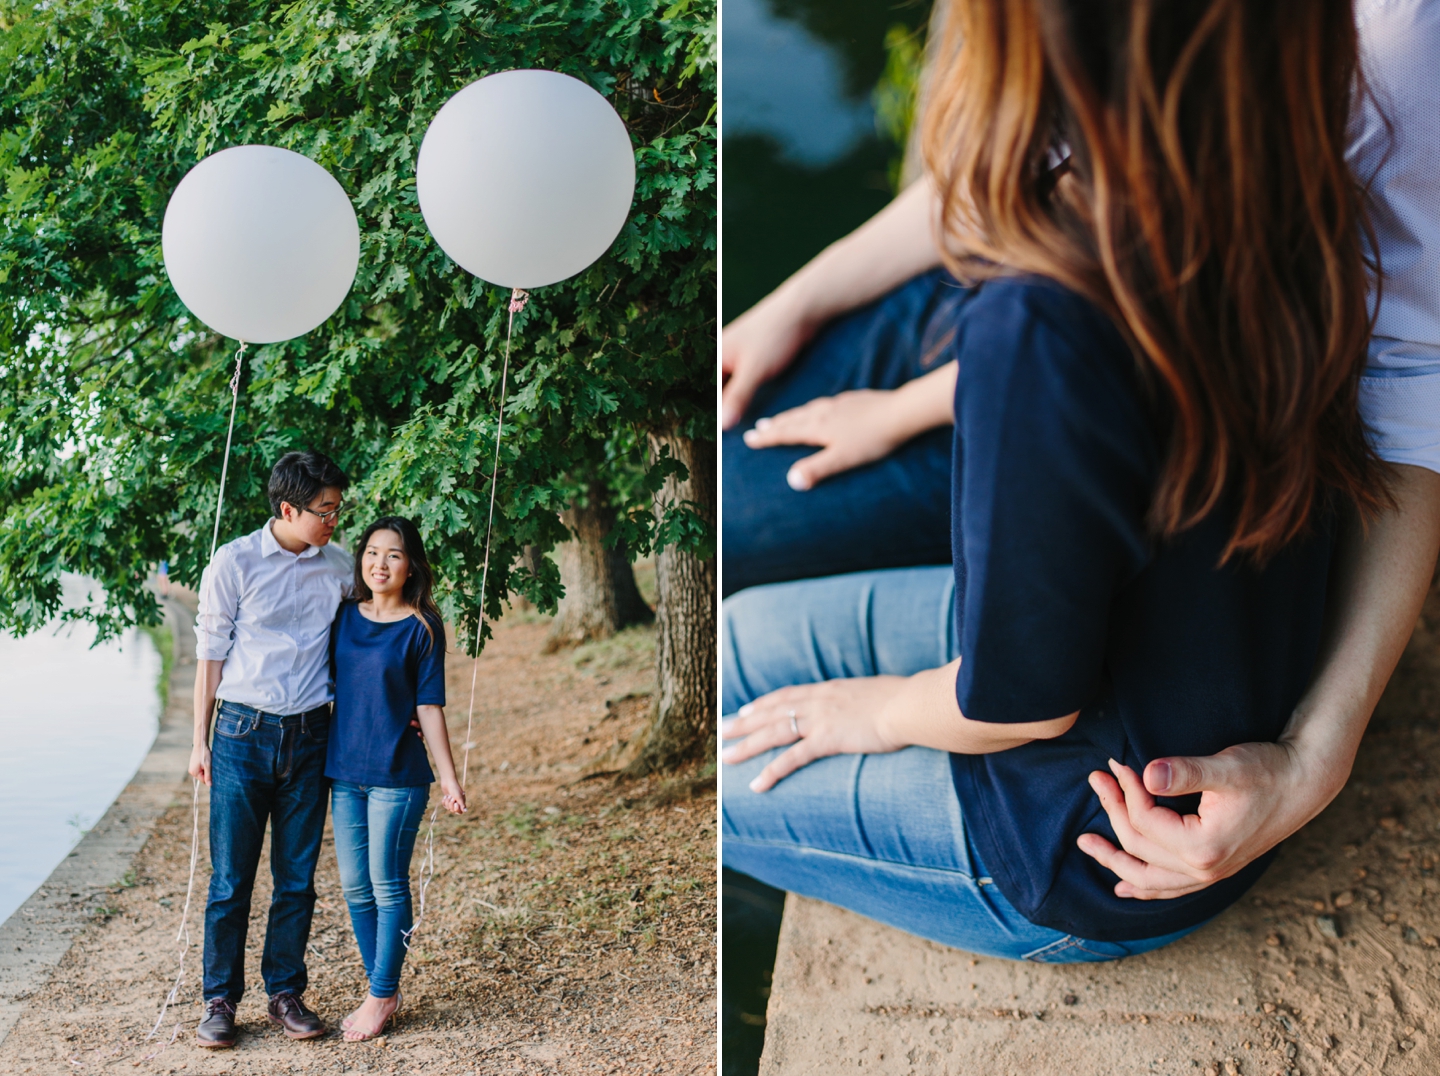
x: 525, y: 177
x: 260, y: 243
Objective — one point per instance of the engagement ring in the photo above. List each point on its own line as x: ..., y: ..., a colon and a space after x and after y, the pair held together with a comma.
x: 794, y: 727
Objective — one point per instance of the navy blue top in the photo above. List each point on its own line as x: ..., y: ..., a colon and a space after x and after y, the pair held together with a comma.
x: 1065, y: 604
x: 382, y: 672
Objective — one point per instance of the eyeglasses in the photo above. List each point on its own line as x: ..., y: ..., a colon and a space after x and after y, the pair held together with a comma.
x: 327, y: 518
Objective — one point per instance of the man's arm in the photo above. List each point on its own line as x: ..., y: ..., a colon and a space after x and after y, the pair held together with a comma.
x: 1256, y: 795
x: 214, y: 636
x: 207, y: 680
x: 884, y: 252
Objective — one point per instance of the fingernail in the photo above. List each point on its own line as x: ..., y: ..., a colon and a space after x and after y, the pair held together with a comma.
x: 762, y: 423
x: 797, y: 481
x: 749, y: 437
x: 755, y: 785
x: 728, y: 417
x: 1114, y: 766
x: 1160, y: 776
x: 727, y: 754
x: 747, y: 709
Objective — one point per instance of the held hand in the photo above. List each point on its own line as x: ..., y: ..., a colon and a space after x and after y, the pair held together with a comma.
x: 1253, y: 796
x: 755, y: 347
x: 200, y: 763
x: 415, y: 724
x: 452, y: 795
x: 852, y: 429
x: 837, y: 717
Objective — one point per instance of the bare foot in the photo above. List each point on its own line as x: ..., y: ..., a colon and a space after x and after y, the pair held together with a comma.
x: 370, y: 1018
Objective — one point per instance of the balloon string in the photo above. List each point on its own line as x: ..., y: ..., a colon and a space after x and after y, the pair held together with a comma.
x: 518, y: 299
x: 182, y: 938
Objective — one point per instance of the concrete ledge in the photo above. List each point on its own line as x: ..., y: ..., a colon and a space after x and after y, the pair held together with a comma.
x: 1331, y: 965
x: 35, y: 939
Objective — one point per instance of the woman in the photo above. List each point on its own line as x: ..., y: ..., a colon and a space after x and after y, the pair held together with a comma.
x: 388, y: 653
x: 1156, y: 431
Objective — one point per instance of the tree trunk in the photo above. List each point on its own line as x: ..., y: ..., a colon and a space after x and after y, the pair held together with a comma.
x: 682, y: 724
x: 600, y: 593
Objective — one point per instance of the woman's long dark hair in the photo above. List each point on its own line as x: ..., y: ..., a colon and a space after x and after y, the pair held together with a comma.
x: 418, y: 591
x: 1205, y: 205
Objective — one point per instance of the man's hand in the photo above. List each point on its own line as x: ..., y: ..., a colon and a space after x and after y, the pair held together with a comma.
x: 755, y: 347
x: 200, y: 763
x: 852, y: 429
x: 1252, y: 796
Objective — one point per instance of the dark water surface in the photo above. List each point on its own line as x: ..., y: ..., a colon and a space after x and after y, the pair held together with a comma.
x: 803, y: 163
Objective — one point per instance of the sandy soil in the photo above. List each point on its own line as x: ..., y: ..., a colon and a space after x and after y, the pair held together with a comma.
x: 570, y: 925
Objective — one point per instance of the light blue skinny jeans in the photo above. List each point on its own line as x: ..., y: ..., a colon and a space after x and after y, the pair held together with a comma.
x: 375, y: 830
x: 882, y: 835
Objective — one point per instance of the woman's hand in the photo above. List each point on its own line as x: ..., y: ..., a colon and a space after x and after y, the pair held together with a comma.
x: 836, y: 717
x: 452, y: 795
x: 852, y: 429
x: 757, y: 346
x: 1252, y: 796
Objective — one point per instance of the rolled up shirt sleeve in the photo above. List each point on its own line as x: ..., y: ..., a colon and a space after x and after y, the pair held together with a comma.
x: 219, y: 606
x: 1400, y: 401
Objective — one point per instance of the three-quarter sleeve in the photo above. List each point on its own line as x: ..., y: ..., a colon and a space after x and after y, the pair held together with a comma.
x: 430, y: 674
x: 219, y: 606
x: 1055, y: 464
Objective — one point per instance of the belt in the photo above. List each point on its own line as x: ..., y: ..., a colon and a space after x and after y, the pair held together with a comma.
x: 323, y: 710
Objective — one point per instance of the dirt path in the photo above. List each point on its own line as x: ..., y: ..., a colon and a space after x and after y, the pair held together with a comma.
x: 570, y: 926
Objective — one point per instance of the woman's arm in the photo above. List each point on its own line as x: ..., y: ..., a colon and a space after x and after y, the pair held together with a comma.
x: 1253, y: 796
x: 869, y: 715
x: 432, y: 725
x: 884, y: 252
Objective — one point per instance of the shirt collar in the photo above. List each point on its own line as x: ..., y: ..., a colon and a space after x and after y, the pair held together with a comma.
x: 269, y: 544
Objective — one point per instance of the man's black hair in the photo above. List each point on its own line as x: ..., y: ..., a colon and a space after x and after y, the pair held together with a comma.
x: 299, y: 477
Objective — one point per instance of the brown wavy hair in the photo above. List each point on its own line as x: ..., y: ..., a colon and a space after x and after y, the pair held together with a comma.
x: 419, y: 589
x: 1180, y: 163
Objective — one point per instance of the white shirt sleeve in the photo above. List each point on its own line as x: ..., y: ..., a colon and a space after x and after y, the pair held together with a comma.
x: 1400, y: 162
x: 219, y: 606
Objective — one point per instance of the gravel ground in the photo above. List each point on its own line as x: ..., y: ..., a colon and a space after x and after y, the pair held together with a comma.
x: 570, y: 925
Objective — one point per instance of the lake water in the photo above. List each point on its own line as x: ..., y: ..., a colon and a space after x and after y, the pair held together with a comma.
x: 75, y: 724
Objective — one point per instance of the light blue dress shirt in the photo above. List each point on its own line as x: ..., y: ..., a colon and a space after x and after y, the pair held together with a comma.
x: 1400, y: 162
x: 266, y: 612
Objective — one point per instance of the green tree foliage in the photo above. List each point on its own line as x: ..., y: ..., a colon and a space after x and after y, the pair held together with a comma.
x: 113, y: 401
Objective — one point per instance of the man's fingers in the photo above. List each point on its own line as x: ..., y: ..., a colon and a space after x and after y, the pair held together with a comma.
x: 783, y: 765
x: 735, y: 397
x: 1138, y: 880
x: 807, y: 473
x: 1146, y: 816
x: 1183, y: 776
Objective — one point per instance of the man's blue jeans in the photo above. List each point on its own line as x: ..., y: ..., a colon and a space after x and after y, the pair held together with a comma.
x: 265, y: 768
x: 882, y: 835
x: 375, y: 831
x: 892, y: 513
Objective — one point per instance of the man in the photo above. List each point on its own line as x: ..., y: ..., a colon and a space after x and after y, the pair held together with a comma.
x: 266, y: 604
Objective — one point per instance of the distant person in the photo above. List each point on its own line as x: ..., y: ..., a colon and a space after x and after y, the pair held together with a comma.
x: 162, y: 578
x: 267, y: 601
x: 388, y: 648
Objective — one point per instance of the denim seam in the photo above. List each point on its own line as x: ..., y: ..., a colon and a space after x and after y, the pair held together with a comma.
x: 728, y: 839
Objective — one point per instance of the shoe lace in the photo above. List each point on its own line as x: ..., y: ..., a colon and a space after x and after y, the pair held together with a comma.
x: 288, y: 1003
x: 215, y: 1005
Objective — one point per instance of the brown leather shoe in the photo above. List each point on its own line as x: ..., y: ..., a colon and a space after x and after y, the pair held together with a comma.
x: 290, y: 1012
x: 217, y: 1030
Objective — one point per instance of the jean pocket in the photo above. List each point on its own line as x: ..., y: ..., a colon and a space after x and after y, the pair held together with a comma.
x: 318, y: 732
x: 1073, y: 950
x: 233, y: 727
